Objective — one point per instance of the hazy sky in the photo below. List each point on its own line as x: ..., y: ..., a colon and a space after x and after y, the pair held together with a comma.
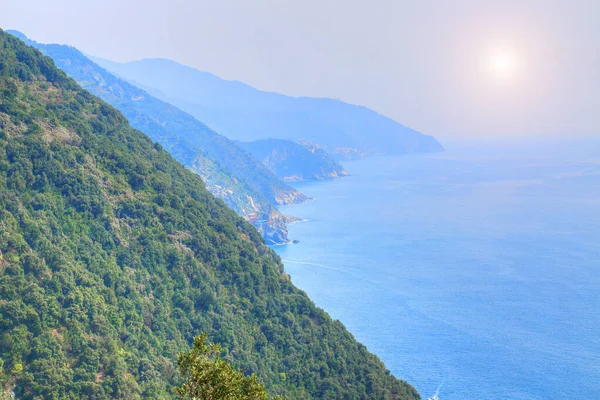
x: 445, y: 67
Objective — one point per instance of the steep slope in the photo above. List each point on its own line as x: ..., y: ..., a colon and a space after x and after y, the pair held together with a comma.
x: 244, y: 113
x: 113, y: 256
x: 293, y: 161
x: 229, y: 172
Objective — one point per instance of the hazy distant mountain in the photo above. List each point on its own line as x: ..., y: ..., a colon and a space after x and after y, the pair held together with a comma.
x: 242, y: 112
x: 293, y: 161
x: 229, y: 172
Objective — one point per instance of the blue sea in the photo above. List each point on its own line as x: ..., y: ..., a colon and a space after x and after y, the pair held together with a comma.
x: 473, y: 273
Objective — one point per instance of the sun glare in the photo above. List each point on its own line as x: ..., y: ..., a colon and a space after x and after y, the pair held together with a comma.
x: 502, y: 64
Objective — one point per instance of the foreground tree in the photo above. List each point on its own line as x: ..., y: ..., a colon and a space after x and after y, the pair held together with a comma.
x: 208, y: 377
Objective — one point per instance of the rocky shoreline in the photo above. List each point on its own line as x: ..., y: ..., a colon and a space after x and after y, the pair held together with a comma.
x: 273, y: 227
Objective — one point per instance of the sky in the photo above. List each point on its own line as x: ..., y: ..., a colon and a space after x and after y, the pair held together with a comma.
x: 449, y: 68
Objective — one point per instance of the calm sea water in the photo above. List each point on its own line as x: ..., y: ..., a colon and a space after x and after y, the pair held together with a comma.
x: 474, y: 272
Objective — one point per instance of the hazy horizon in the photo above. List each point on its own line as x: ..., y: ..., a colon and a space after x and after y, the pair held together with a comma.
x: 461, y: 69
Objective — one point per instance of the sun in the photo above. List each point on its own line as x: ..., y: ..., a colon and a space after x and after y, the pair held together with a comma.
x: 502, y: 64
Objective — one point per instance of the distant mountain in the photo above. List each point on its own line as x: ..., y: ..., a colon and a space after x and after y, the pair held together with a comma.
x: 244, y: 113
x: 228, y: 171
x: 293, y: 161
x: 113, y: 257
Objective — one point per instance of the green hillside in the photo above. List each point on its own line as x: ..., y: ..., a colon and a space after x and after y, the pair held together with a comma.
x: 229, y: 172
x: 113, y: 257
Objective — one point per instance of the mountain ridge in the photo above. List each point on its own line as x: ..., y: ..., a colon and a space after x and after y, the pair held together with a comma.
x: 244, y: 113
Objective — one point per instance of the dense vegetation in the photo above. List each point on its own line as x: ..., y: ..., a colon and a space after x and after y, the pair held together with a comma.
x: 293, y: 161
x: 113, y: 257
x: 244, y: 113
x: 228, y: 171
x: 209, y: 377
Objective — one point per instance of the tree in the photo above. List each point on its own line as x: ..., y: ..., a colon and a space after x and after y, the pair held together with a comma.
x: 208, y: 377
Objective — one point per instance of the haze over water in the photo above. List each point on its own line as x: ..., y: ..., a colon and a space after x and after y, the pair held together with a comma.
x: 475, y: 271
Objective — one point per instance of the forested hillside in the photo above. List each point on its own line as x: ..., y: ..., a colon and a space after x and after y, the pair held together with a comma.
x: 228, y: 171
x: 113, y: 257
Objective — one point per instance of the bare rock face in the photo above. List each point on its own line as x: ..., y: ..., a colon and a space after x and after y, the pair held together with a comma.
x: 274, y: 234
x: 273, y: 228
